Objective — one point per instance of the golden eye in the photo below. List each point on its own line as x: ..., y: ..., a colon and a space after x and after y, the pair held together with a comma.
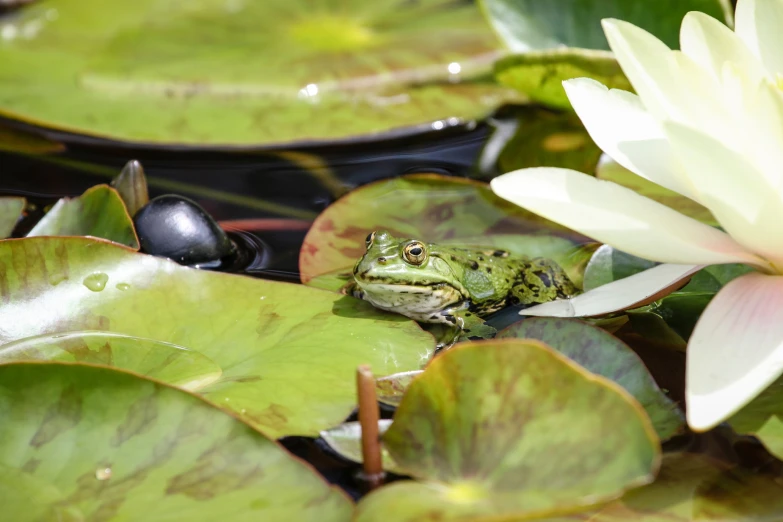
x: 370, y: 238
x: 414, y: 253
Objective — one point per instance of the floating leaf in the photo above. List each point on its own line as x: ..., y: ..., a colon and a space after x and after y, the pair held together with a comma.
x: 10, y: 210
x: 247, y: 73
x: 88, y: 443
x: 288, y: 352
x: 99, y: 212
x: 430, y: 207
x: 510, y: 430
x: 695, y: 487
x: 346, y: 440
x: 391, y: 388
x: 157, y: 360
x: 763, y: 417
x: 131, y: 184
x: 603, y: 354
x: 25, y: 142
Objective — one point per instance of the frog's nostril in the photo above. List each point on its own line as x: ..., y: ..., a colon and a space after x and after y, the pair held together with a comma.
x: 382, y: 260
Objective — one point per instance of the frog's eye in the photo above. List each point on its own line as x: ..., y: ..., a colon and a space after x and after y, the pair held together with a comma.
x: 414, y: 253
x: 370, y: 238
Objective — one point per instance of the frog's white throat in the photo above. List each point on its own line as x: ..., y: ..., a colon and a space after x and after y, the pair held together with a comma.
x: 421, y: 303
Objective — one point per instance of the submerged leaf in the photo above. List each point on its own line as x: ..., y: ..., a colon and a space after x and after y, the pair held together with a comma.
x: 509, y: 430
x: 288, y: 353
x: 88, y: 443
x: 10, y: 210
x: 99, y: 212
x: 391, y: 388
x: 346, y: 440
x: 603, y: 354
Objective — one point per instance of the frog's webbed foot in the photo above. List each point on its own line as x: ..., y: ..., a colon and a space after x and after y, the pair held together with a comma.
x: 352, y: 289
x: 469, y: 325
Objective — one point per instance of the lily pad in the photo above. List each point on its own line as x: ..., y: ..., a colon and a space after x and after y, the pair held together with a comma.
x: 609, y: 264
x: 346, y: 440
x: 99, y: 212
x: 288, y: 353
x: 695, y: 487
x: 511, y: 430
x: 157, y: 360
x: 24, y: 142
x: 391, y: 388
x: 10, y: 210
x: 430, y: 207
x: 219, y: 73
x: 89, y: 443
x: 603, y: 354
x: 763, y: 417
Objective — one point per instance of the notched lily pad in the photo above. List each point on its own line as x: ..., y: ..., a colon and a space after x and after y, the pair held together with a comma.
x: 430, y: 207
x: 346, y: 440
x: 10, y: 211
x: 288, y: 353
x: 88, y: 443
x: 157, y: 360
x: 603, y: 354
x: 510, y: 429
x: 99, y: 212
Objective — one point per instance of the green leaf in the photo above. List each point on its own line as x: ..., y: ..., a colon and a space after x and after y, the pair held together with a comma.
x: 763, y: 417
x: 346, y: 440
x: 436, y: 209
x: 24, y: 142
x: 157, y: 360
x: 540, y: 74
x: 603, y: 354
x: 131, y: 185
x: 89, y: 443
x: 391, y: 388
x: 99, y: 212
x: 261, y: 73
x: 695, y: 487
x: 509, y: 430
x: 288, y: 353
x: 10, y: 211
x: 609, y: 264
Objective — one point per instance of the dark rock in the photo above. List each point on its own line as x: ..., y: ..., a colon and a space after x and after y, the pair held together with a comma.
x: 178, y: 228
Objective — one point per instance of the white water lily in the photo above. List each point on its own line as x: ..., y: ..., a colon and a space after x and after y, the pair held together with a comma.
x: 707, y: 122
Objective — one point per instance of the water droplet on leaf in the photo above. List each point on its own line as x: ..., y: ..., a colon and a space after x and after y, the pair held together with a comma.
x: 96, y: 282
x: 103, y: 473
x: 123, y: 286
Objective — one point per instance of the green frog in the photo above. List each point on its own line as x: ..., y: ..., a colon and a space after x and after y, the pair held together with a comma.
x: 433, y: 283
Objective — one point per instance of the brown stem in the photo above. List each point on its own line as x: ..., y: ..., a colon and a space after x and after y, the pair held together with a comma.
x: 368, y: 418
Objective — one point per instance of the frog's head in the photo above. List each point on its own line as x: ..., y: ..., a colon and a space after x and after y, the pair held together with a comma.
x: 401, y: 275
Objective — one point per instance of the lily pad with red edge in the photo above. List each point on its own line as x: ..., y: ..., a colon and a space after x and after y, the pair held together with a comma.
x: 259, y: 73
x: 157, y: 360
x: 10, y: 211
x: 696, y: 487
x: 429, y: 207
x: 511, y: 430
x: 99, y: 212
x: 90, y: 443
x: 603, y: 354
x: 288, y: 353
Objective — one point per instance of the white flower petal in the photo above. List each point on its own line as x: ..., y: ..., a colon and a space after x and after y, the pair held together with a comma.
x: 739, y: 196
x: 759, y: 23
x: 630, y: 292
x: 711, y: 44
x: 619, y: 124
x: 619, y: 217
x: 736, y: 349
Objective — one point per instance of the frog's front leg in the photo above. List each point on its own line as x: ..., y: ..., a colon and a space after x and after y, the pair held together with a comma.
x: 467, y: 324
x: 352, y: 289
x: 540, y: 281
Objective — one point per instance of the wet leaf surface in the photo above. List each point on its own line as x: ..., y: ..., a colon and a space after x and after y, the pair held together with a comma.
x: 603, y: 354
x: 99, y: 212
x: 163, y: 362
x: 346, y: 439
x: 247, y: 73
x: 288, y: 353
x: 436, y: 209
x: 88, y: 443
x: 10, y: 210
x: 508, y: 430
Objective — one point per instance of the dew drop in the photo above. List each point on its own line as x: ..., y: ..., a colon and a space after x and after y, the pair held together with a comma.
x: 122, y: 286
x: 243, y: 411
x: 96, y: 282
x: 103, y: 473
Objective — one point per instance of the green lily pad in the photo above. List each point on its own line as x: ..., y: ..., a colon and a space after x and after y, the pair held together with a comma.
x: 603, y: 354
x: 157, y: 360
x: 540, y: 74
x: 10, y: 210
x: 268, y: 73
x: 288, y: 353
x: 430, y: 207
x: 609, y: 264
x: 546, y: 138
x: 695, y: 487
x: 610, y: 170
x: 763, y: 417
x: 391, y: 388
x: 89, y: 443
x: 509, y: 430
x: 346, y: 440
x: 99, y: 212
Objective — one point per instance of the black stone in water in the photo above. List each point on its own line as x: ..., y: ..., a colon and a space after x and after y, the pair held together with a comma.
x: 178, y: 228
